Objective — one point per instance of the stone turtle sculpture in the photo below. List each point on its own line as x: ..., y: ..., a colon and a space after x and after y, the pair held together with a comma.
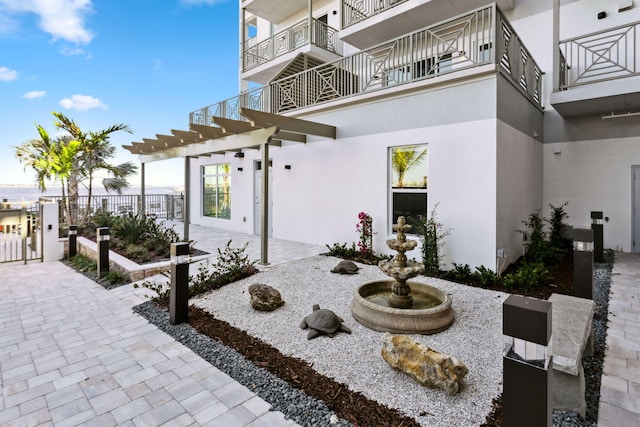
x: 346, y: 267
x: 323, y: 322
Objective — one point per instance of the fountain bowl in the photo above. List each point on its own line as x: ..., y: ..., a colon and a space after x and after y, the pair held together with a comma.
x: 380, y: 317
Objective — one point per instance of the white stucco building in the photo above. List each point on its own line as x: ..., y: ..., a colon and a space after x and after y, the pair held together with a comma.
x: 349, y: 85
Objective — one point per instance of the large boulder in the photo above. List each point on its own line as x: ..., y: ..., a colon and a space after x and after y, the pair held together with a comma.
x: 427, y: 366
x: 264, y: 297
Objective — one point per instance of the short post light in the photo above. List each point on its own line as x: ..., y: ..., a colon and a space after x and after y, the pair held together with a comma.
x: 527, y: 364
x: 102, y: 236
x: 73, y: 241
x: 598, y: 239
x: 179, y: 296
x: 583, y: 263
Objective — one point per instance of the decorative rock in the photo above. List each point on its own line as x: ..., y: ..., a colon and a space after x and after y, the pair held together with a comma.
x: 323, y: 322
x: 264, y: 297
x: 346, y: 267
x: 427, y: 366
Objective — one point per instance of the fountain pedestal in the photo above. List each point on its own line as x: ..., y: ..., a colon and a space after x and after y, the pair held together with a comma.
x: 400, y: 306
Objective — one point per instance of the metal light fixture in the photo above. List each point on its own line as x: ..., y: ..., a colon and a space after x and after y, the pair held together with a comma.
x: 239, y: 155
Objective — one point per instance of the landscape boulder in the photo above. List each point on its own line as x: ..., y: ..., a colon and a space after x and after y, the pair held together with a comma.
x: 264, y: 297
x: 429, y: 367
x: 346, y: 267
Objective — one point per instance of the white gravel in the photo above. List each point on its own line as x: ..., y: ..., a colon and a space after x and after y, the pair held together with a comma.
x: 474, y: 338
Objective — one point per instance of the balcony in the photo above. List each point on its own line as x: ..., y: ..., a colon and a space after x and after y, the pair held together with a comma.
x: 274, y: 11
x: 481, y: 41
x: 262, y: 60
x: 599, y: 73
x: 367, y: 23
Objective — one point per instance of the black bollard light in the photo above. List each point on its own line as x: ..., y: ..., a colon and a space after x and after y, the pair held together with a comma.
x: 179, y: 297
x: 583, y: 263
x: 73, y: 241
x: 527, y: 363
x: 102, y: 236
x: 598, y: 239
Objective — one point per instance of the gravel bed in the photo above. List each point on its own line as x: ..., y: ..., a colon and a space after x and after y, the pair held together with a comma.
x: 475, y: 338
x: 592, y: 364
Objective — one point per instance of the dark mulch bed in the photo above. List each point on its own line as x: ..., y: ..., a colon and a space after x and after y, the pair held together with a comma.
x: 347, y: 404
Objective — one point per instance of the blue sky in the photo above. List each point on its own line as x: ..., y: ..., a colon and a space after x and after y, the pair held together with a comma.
x: 144, y: 63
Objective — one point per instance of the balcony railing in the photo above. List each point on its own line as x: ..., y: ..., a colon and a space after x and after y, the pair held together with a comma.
x: 600, y: 56
x: 290, y: 39
x: 471, y: 40
x: 354, y: 11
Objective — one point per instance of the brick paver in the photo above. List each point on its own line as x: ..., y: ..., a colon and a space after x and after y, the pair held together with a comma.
x: 620, y: 387
x: 73, y: 353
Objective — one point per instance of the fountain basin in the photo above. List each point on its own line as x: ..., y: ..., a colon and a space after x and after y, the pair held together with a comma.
x: 368, y: 307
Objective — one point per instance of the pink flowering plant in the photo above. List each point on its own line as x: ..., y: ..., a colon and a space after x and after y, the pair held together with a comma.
x: 365, y: 228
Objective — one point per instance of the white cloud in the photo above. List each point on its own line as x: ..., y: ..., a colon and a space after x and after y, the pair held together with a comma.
x: 7, y: 75
x: 82, y: 103
x: 63, y: 19
x: 34, y: 94
x: 72, y: 51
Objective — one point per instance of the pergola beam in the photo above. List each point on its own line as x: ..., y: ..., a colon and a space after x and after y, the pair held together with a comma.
x: 262, y: 119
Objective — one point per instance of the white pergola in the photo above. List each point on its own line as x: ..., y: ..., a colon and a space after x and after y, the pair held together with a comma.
x: 259, y: 131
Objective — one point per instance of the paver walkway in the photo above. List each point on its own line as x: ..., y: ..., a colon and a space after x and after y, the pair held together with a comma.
x: 73, y: 353
x: 620, y: 388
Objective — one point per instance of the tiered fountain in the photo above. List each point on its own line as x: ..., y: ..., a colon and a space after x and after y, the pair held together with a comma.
x: 400, y: 306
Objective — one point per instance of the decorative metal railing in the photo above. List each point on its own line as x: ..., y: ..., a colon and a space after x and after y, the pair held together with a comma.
x: 600, y: 56
x: 354, y: 11
x: 290, y: 39
x: 476, y: 38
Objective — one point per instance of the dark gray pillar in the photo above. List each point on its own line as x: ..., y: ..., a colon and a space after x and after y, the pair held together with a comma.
x: 143, y: 196
x: 598, y: 236
x: 583, y: 263
x: 73, y: 241
x: 526, y: 396
x: 179, y: 297
x: 186, y: 211
x: 102, y: 237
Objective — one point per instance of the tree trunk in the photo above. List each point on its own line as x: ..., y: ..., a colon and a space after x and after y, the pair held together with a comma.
x: 72, y: 183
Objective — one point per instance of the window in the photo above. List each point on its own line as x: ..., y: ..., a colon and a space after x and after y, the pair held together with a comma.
x: 408, y: 167
x: 216, y: 191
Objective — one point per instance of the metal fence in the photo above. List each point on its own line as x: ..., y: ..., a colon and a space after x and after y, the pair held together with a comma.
x: 354, y: 11
x: 479, y: 37
x: 600, y: 56
x: 161, y: 206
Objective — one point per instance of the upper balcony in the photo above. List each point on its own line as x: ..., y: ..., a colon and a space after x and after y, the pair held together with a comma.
x: 263, y: 60
x: 599, y: 73
x: 274, y: 11
x: 476, y: 43
x: 367, y: 23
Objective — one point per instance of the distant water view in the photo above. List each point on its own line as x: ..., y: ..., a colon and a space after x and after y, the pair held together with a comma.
x: 32, y: 193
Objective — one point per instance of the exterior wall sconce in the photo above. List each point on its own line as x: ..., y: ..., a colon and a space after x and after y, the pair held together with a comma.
x: 287, y: 167
x: 239, y: 155
x: 527, y: 364
x: 602, y: 15
x: 239, y: 169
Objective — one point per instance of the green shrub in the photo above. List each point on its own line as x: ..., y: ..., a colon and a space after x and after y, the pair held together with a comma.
x: 486, y: 276
x: 138, y: 252
x: 432, y: 243
x: 82, y: 262
x: 459, y: 273
x: 528, y: 276
x: 233, y: 263
x: 115, y: 277
x: 132, y: 228
x: 558, y: 229
x: 342, y: 251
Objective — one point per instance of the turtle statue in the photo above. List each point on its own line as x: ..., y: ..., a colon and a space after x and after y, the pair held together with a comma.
x: 323, y: 322
x: 346, y: 267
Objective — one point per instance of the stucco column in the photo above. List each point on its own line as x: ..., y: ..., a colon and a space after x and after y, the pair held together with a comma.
x: 264, y: 208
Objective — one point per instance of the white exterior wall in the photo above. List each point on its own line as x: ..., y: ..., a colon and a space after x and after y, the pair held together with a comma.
x: 594, y: 176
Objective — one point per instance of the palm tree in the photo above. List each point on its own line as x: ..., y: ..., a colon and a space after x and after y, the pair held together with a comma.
x: 404, y: 159
x: 50, y: 159
x: 95, y: 152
